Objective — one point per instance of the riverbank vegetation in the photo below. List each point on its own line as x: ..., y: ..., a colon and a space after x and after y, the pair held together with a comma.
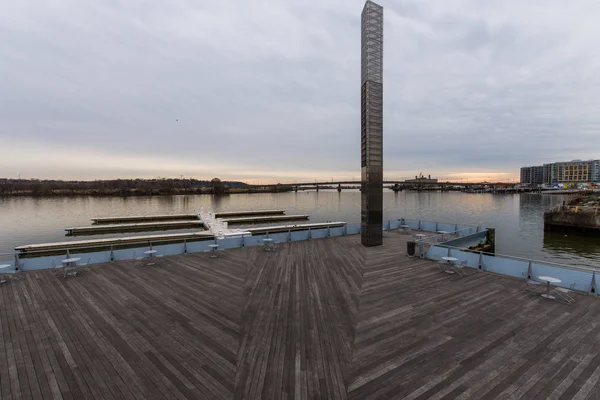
x: 122, y: 187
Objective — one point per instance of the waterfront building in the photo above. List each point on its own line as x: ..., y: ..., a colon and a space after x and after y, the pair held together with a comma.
x: 371, y: 124
x: 532, y: 175
x: 422, y: 179
x: 566, y: 172
x: 548, y: 174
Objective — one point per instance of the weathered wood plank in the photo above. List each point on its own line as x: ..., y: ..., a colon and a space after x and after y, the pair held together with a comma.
x: 320, y: 319
x: 43, y: 371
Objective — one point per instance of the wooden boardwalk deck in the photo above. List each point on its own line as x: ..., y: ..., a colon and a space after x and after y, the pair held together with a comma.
x: 324, y: 319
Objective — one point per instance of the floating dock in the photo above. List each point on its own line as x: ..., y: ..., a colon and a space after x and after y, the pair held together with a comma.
x: 215, y: 225
x: 301, y: 227
x: 175, y: 237
x: 179, y: 217
x: 148, y: 226
x: 229, y: 214
x: 259, y: 219
x: 144, y: 218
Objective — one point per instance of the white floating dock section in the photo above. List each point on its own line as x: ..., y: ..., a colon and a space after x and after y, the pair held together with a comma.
x: 213, y: 225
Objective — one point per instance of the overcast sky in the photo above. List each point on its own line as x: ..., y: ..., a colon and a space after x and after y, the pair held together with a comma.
x: 270, y: 90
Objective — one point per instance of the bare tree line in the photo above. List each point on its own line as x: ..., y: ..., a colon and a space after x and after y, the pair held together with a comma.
x: 118, y: 187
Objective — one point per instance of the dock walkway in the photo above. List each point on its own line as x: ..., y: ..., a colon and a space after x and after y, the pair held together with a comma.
x: 202, y: 220
x: 173, y: 217
x: 318, y: 319
x: 124, y: 241
x: 144, y: 218
x: 138, y: 227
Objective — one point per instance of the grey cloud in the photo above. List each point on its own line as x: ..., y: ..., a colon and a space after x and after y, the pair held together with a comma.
x: 275, y: 85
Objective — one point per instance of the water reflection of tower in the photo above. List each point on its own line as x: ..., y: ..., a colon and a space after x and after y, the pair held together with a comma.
x: 185, y: 202
x: 529, y: 206
x: 422, y: 204
x: 537, y: 203
x: 165, y: 203
x: 216, y: 201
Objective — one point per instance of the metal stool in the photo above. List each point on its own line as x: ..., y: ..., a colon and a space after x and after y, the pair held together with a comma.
x: 7, y: 270
x: 4, y: 270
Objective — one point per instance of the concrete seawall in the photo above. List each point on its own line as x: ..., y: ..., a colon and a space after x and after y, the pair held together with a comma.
x: 572, y: 221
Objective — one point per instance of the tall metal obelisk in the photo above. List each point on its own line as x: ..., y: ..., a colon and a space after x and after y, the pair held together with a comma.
x: 371, y: 94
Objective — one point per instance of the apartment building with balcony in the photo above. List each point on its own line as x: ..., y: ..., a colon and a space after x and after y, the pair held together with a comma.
x: 532, y: 175
x: 575, y: 171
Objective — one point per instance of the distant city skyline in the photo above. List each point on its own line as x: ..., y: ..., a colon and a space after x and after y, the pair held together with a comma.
x: 474, y: 90
x: 323, y: 177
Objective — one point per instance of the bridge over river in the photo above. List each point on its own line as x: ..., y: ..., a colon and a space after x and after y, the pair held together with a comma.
x: 397, y: 185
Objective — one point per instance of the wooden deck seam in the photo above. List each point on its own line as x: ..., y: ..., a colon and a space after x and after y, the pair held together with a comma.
x: 174, y: 337
x: 323, y: 318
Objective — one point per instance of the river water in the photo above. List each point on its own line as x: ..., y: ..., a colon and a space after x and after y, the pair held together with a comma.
x: 518, y: 218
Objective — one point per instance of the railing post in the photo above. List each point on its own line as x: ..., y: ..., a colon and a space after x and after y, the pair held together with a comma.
x: 419, y: 224
x: 185, y: 245
x: 436, y: 226
x: 289, y: 235
x: 68, y: 253
x: 309, y: 234
x: 17, y: 262
x: 112, y: 253
x: 328, y: 231
x: 345, y: 230
x: 529, y: 270
x: 449, y: 252
x: 593, y: 283
x: 480, y: 260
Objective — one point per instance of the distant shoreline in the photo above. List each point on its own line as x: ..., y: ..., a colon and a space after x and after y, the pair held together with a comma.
x: 133, y: 193
x: 125, y: 187
x: 162, y: 191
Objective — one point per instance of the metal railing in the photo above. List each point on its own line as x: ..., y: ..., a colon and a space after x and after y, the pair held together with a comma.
x: 101, y: 253
x: 583, y: 277
x: 517, y: 258
x: 447, y: 237
x: 519, y: 267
